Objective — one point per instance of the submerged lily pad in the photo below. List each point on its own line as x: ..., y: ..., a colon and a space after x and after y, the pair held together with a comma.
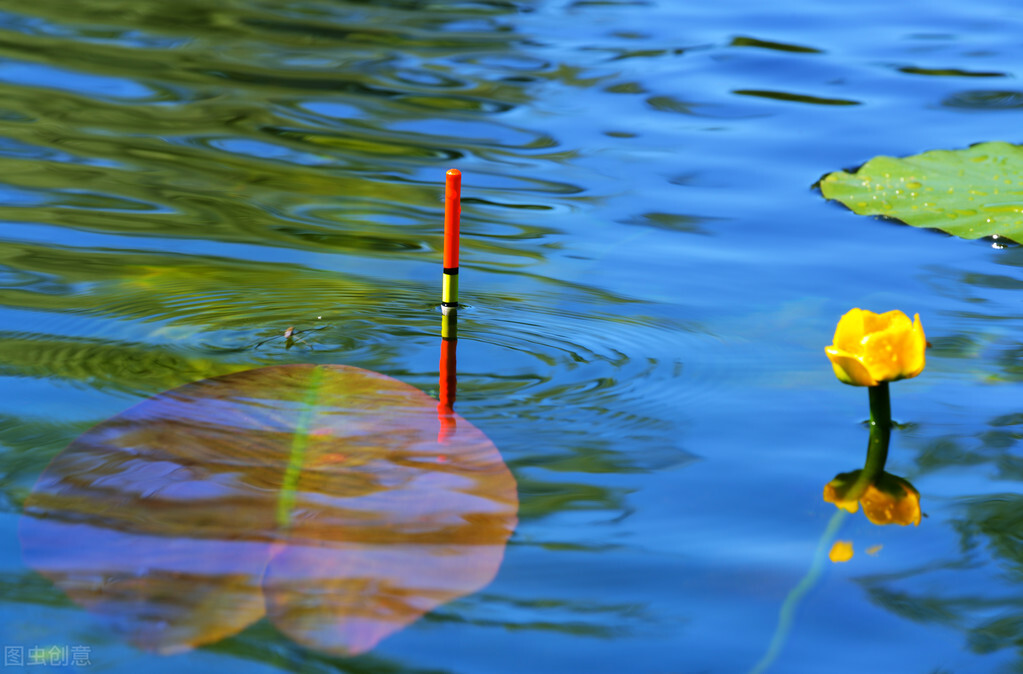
x: 339, y: 502
x: 971, y: 193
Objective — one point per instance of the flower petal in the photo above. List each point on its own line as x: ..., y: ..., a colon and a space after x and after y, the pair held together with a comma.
x: 838, y: 491
x: 880, y: 354
x: 877, y: 322
x: 849, y: 331
x: 914, y: 350
x: 895, y: 320
x: 848, y: 368
x: 892, y: 500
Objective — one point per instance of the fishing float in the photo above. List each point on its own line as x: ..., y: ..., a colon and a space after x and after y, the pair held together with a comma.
x: 452, y: 216
x: 449, y: 306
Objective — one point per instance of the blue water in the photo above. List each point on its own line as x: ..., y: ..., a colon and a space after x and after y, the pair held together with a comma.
x: 651, y: 281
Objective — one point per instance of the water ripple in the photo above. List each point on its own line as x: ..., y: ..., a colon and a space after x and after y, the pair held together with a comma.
x: 636, y: 369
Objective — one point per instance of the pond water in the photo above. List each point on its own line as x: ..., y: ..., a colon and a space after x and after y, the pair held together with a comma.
x: 650, y: 281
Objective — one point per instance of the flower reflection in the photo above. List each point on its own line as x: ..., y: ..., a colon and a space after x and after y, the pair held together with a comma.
x: 871, y: 348
x: 841, y: 551
x: 886, y: 499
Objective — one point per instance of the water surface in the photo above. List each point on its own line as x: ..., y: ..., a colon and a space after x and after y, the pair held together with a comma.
x: 651, y: 281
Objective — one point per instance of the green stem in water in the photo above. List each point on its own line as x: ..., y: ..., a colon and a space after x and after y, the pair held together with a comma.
x: 877, y: 447
x: 880, y: 429
x: 877, y: 455
x: 787, y: 614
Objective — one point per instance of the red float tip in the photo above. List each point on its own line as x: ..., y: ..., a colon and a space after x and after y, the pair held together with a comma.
x: 452, y: 218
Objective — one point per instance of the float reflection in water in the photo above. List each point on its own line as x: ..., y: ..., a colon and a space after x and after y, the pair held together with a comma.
x: 340, y: 503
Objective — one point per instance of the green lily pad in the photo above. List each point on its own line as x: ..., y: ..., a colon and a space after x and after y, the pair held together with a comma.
x: 972, y: 193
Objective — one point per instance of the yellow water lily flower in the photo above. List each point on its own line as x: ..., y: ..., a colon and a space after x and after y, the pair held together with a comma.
x: 888, y: 499
x: 872, y: 348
